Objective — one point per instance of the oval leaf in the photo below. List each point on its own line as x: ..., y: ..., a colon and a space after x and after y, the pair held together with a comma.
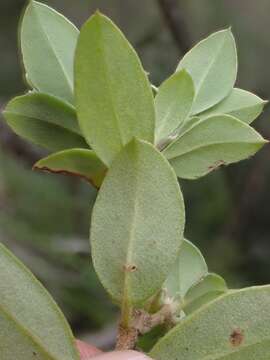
x: 113, y: 95
x: 234, y: 326
x: 31, y: 324
x: 48, y: 42
x: 137, y: 224
x: 189, y: 268
x: 212, y: 64
x: 76, y: 162
x: 241, y: 104
x: 173, y: 104
x: 211, y: 286
x: 45, y: 121
x: 210, y: 143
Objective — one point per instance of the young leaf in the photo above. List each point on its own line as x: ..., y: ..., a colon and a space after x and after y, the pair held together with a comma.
x: 211, y: 286
x: 137, y: 224
x: 31, y: 324
x: 77, y: 162
x: 45, y: 121
x: 48, y: 42
x: 210, y: 143
x: 235, y: 326
x: 113, y: 95
x: 173, y: 104
x: 212, y: 64
x: 189, y: 268
x: 239, y: 103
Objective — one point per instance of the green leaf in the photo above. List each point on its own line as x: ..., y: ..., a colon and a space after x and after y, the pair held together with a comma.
x: 147, y: 341
x: 211, y: 286
x: 212, y: 64
x: 48, y: 42
x: 239, y: 103
x: 137, y: 224
x: 189, y: 268
x: 45, y: 121
x: 76, y: 162
x: 188, y: 124
x: 210, y: 143
x: 114, y: 97
x: 31, y: 324
x: 235, y: 326
x: 173, y: 104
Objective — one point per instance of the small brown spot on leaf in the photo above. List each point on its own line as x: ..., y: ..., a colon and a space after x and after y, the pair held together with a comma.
x: 237, y: 337
x: 130, y: 268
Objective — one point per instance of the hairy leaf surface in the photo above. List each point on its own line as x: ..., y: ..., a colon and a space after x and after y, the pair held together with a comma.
x: 114, y: 97
x: 31, y: 324
x: 48, y: 42
x: 45, y: 121
x: 137, y: 224
x: 233, y: 327
x: 210, y: 143
x: 173, y: 103
x: 210, y: 287
x: 212, y: 64
x: 189, y: 268
x: 239, y: 103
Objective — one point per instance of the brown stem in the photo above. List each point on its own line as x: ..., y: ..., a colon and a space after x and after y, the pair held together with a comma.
x: 127, y: 338
x: 143, y: 322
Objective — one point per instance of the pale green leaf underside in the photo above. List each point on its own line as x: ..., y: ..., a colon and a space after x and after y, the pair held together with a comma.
x: 211, y: 282
x: 17, y: 343
x: 173, y: 103
x: 234, y: 326
x: 210, y: 287
x: 188, y: 124
x: 189, y: 268
x: 76, y: 162
x: 48, y: 42
x: 44, y: 120
x: 212, y: 64
x: 31, y: 324
x: 210, y: 143
x: 241, y: 104
x: 113, y: 95
x: 137, y: 224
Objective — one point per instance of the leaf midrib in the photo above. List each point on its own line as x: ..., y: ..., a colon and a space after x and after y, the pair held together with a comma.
x: 165, y: 118
x: 24, y: 331
x: 50, y: 43
x: 42, y: 121
x: 194, y: 316
x: 210, y: 66
x: 228, y: 112
x: 107, y: 80
x: 196, y: 148
x: 129, y: 254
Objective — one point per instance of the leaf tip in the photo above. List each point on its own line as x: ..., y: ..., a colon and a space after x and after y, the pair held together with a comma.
x: 98, y: 15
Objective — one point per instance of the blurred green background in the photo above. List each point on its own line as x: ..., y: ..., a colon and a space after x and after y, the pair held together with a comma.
x: 44, y: 218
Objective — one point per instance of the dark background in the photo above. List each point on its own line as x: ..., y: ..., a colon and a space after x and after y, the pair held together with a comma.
x: 44, y: 219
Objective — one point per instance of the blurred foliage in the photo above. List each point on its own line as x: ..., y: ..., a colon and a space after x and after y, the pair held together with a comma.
x: 44, y: 218
x: 45, y: 221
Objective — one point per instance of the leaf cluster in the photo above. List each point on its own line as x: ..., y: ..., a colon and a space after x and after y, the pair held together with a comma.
x: 91, y: 104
